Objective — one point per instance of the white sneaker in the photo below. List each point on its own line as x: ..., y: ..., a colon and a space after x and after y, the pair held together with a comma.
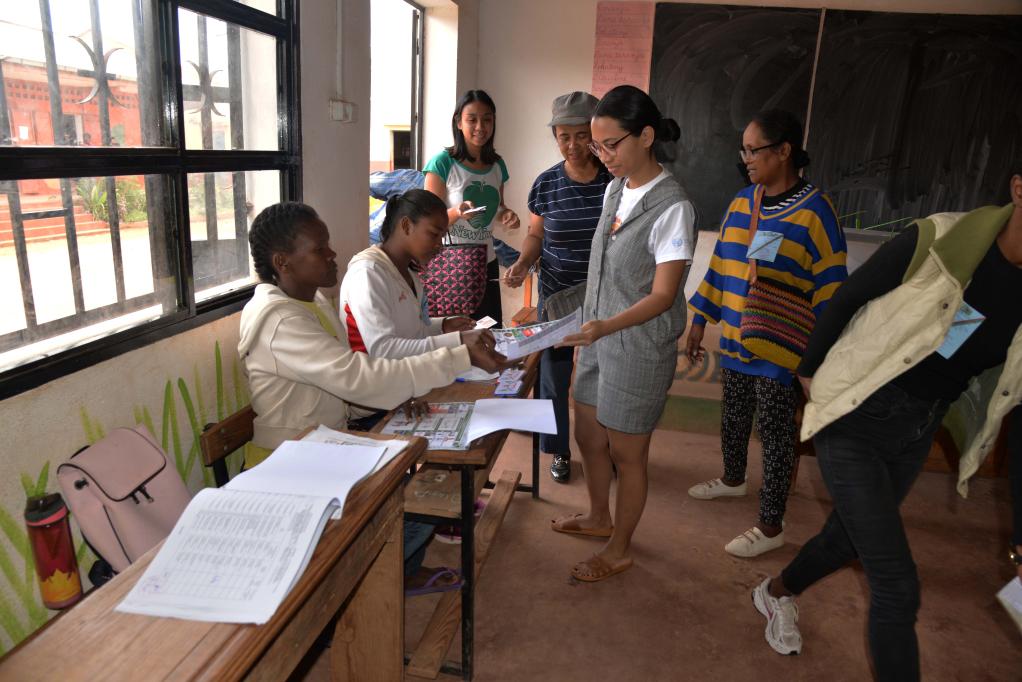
x: 753, y: 543
x: 782, y: 620
x: 707, y: 490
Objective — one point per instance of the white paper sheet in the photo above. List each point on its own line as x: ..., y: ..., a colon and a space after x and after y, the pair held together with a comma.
x: 494, y: 414
x: 323, y: 434
x: 310, y: 468
x: 232, y: 557
x: 1010, y: 597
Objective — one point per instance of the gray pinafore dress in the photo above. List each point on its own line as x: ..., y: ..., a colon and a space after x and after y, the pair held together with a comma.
x: 626, y: 375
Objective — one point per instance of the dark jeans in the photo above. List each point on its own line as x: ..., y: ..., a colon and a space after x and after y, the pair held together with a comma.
x: 869, y: 460
x: 1015, y: 468
x: 416, y: 539
x: 555, y: 367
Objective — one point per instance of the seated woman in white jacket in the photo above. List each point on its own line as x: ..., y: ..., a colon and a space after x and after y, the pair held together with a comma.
x: 382, y: 299
x: 300, y: 369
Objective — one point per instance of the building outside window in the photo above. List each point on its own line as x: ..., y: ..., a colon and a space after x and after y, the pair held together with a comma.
x: 138, y: 140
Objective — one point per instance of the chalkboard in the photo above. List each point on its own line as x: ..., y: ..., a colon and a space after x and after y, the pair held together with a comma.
x: 911, y: 114
x: 713, y: 67
x: 915, y: 114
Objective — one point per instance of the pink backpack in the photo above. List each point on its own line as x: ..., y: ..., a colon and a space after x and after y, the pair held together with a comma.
x: 124, y: 493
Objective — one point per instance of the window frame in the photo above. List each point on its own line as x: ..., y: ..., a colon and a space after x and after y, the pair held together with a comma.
x: 177, y: 163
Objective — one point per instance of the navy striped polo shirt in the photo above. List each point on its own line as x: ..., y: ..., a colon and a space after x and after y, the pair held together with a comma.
x: 570, y: 212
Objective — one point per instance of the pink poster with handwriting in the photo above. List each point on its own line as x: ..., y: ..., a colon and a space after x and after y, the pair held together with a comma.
x: 624, y: 45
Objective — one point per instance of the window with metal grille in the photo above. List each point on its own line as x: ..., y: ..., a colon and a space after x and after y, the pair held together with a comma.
x: 138, y: 140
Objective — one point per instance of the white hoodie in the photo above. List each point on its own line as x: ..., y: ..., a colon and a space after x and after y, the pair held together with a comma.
x: 301, y: 376
x: 378, y: 305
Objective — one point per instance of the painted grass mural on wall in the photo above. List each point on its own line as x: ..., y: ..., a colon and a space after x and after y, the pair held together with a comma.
x: 21, y: 616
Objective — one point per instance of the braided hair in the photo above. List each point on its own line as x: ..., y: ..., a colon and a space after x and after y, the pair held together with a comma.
x: 274, y: 231
x: 414, y: 204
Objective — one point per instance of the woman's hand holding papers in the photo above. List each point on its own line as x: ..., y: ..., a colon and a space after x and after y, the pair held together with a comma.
x: 591, y: 332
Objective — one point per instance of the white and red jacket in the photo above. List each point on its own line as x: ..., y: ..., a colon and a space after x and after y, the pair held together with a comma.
x: 383, y: 316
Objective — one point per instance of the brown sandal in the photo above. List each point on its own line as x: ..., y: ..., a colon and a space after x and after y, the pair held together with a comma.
x: 591, y: 532
x: 595, y: 569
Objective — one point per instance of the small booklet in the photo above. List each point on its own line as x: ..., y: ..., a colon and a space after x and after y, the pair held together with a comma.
x: 237, y: 551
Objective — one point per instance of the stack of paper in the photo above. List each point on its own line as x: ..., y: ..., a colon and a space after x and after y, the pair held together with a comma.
x: 237, y: 551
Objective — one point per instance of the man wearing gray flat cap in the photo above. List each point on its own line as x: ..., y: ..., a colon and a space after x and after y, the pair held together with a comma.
x: 565, y: 203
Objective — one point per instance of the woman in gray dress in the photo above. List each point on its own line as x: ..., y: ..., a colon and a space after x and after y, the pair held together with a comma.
x: 633, y: 314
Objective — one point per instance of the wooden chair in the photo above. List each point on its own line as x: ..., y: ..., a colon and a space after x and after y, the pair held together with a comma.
x: 224, y: 437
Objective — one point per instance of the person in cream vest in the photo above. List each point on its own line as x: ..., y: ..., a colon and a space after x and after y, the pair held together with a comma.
x: 930, y: 323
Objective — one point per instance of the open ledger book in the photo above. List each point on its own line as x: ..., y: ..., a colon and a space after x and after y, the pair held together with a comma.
x: 237, y: 551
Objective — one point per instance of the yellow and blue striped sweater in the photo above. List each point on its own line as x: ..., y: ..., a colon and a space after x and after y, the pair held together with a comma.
x: 812, y: 257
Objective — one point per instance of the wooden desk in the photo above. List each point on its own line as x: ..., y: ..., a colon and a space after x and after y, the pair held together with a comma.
x: 457, y: 508
x: 358, y: 560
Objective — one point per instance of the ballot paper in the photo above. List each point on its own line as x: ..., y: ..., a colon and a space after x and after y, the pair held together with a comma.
x: 453, y: 426
x: 1010, y: 597
x: 444, y: 426
x: 236, y: 552
x: 517, y: 342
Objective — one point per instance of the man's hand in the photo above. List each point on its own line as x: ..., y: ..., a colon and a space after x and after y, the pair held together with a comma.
x: 509, y: 218
x: 516, y: 274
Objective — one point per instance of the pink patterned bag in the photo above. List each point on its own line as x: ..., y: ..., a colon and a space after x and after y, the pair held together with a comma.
x: 455, y: 280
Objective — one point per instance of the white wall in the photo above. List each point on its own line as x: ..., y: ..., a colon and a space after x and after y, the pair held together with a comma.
x: 336, y: 155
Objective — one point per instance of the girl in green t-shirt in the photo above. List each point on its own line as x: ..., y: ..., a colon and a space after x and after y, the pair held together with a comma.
x: 471, y: 175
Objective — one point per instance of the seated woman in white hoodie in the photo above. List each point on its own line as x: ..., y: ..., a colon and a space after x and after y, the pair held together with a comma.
x: 300, y: 369
x: 382, y: 299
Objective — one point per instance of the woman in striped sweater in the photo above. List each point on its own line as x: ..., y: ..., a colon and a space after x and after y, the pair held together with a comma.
x: 811, y: 258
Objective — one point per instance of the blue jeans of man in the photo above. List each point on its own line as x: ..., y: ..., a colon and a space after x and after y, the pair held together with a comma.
x: 869, y: 459
x: 555, y: 368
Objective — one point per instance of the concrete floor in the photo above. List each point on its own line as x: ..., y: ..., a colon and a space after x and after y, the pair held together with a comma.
x: 684, y: 612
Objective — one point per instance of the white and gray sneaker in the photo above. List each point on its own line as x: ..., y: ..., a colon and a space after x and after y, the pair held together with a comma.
x: 715, y: 487
x: 782, y: 620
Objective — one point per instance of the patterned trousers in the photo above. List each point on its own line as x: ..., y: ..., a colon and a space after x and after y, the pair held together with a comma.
x: 746, y: 395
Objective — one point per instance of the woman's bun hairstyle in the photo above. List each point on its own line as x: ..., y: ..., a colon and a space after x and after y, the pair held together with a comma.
x: 633, y: 110
x: 668, y: 130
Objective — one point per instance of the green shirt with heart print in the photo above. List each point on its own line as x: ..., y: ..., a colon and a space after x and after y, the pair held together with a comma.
x: 481, y: 187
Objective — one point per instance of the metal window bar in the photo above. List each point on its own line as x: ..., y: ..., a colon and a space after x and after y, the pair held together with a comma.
x: 63, y: 136
x: 160, y: 95
x: 57, y: 121
x: 219, y: 261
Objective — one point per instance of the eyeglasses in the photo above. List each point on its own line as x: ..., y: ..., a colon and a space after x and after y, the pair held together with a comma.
x: 749, y: 154
x: 596, y: 148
